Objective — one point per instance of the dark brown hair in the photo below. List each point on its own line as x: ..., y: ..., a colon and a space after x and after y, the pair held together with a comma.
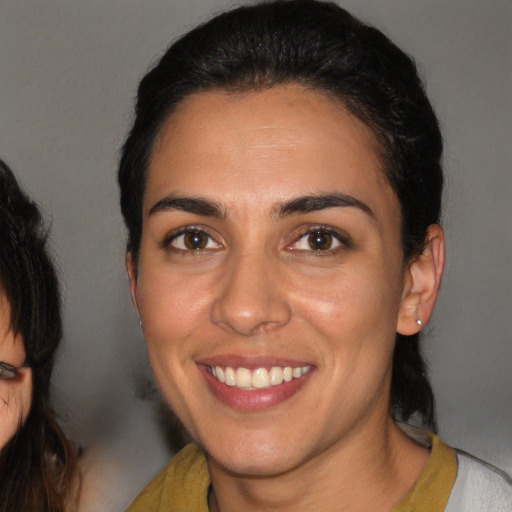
x: 38, y: 465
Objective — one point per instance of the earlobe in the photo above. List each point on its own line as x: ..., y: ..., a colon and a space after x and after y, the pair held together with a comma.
x: 421, y: 284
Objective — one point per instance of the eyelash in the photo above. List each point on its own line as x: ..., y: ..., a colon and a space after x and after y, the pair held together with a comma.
x: 7, y: 371
x: 181, y: 232
x: 343, y: 239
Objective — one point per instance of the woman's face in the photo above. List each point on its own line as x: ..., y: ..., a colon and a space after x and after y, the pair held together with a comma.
x: 15, y: 387
x: 270, y: 259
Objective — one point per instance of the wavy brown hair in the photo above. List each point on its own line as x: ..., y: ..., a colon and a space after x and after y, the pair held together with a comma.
x: 38, y: 471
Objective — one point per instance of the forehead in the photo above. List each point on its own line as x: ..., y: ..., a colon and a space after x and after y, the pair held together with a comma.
x: 270, y: 144
x: 12, y: 349
x: 5, y: 311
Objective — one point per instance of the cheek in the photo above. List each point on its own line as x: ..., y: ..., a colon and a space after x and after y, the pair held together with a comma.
x: 171, y: 305
x: 350, y: 302
x: 354, y: 318
x: 175, y: 313
x: 15, y: 402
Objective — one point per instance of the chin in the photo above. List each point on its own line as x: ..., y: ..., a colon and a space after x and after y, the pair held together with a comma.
x: 254, y: 457
x: 251, y: 466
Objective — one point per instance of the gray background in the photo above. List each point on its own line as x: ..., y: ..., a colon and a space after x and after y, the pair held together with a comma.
x: 68, y: 76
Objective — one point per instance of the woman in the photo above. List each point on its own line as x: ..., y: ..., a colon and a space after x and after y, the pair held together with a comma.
x: 37, y: 462
x: 281, y: 186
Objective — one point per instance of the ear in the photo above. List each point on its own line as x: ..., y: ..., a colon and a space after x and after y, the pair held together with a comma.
x: 132, y: 277
x: 421, y: 284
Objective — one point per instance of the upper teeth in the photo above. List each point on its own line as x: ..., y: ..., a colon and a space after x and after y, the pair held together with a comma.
x: 258, y: 378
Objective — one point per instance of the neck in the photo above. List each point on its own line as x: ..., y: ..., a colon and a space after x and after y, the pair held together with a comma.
x: 371, y: 471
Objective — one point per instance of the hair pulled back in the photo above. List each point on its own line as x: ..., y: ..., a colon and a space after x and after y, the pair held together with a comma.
x: 323, y: 47
x: 37, y: 465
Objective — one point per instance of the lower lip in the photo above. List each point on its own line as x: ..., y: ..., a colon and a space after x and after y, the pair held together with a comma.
x: 252, y: 400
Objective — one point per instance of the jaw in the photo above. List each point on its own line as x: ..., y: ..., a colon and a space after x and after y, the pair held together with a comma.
x: 272, y: 441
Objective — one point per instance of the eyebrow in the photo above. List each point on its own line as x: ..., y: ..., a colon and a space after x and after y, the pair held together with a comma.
x: 313, y: 203
x: 304, y: 204
x: 195, y: 205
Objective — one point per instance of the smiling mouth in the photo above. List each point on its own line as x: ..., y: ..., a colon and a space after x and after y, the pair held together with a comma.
x: 257, y: 378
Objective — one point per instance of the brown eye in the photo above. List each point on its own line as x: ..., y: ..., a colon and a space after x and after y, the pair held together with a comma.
x: 195, y: 240
x: 189, y: 240
x: 320, y: 241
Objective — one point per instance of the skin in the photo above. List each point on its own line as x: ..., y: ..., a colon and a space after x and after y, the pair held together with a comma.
x: 16, y: 393
x: 257, y: 289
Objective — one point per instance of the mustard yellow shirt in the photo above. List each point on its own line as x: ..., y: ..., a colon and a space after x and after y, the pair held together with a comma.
x: 182, y: 486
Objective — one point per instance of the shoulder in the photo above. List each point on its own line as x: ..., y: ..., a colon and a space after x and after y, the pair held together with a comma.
x: 454, y: 481
x: 479, y: 487
x: 182, y: 485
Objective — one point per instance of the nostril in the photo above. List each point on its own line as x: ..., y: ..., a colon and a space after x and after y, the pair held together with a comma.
x: 248, y: 318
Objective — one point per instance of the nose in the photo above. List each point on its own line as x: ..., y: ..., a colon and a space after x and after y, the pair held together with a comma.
x: 252, y: 299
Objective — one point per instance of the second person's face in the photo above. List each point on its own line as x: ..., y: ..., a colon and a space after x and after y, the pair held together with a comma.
x: 270, y: 276
x: 15, y: 382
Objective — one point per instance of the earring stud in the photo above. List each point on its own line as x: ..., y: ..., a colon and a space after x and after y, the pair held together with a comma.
x: 419, y: 322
